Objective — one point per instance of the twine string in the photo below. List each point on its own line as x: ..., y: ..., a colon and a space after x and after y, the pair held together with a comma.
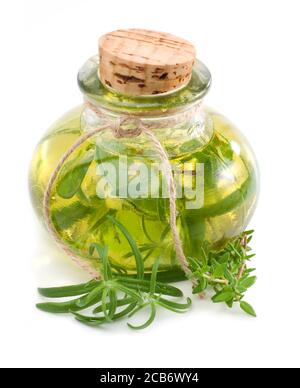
x: 117, y: 128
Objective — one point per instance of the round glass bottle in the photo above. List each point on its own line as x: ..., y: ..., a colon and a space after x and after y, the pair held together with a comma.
x: 199, y: 141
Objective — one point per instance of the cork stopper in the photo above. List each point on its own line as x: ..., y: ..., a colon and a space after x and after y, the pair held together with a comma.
x: 141, y: 62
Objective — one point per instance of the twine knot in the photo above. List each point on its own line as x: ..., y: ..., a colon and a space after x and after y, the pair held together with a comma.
x: 127, y: 127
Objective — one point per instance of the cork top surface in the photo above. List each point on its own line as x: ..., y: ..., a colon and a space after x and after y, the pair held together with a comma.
x: 143, y: 62
x: 148, y: 47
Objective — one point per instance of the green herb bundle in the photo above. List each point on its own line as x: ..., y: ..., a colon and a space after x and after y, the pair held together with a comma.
x: 120, y: 295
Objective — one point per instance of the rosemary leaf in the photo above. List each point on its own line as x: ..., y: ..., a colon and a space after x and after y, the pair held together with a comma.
x: 65, y: 307
x: 133, y: 245
x: 148, y: 322
x: 144, y: 285
x: 154, y: 276
x: 120, y: 303
x: 174, y: 306
x: 94, y: 295
x: 63, y: 292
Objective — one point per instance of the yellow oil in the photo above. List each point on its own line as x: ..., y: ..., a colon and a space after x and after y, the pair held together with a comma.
x: 80, y: 218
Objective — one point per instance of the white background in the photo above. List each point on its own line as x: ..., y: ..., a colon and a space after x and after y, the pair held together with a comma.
x: 252, y: 50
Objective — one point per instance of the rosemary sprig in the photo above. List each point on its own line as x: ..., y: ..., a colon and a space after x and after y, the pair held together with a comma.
x: 226, y: 272
x: 108, y: 295
x: 115, y: 291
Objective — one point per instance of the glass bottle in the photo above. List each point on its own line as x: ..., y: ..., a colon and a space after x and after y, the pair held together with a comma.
x: 83, y: 203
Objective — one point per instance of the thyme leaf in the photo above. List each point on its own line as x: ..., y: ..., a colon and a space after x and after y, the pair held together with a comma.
x: 226, y: 272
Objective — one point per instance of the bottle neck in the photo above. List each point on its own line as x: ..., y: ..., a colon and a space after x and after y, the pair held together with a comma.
x: 178, y: 118
x: 179, y: 100
x: 180, y: 131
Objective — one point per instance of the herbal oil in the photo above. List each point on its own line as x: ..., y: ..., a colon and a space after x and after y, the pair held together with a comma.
x: 81, y: 217
x: 166, y: 97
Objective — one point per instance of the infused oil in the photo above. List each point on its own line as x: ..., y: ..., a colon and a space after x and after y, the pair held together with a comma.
x: 87, y: 206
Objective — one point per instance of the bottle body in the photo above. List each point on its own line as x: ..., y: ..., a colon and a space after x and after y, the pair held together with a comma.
x: 81, y: 207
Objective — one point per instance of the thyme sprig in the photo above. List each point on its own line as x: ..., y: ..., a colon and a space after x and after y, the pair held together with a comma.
x: 226, y: 272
